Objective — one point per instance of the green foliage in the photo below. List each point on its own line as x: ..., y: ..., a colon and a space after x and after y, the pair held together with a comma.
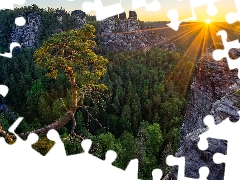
x: 154, y: 138
x: 237, y: 92
x: 105, y: 143
x: 71, y: 53
x: 143, y: 113
x: 43, y: 145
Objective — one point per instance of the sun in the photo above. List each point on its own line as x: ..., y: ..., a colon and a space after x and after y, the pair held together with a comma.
x: 208, y: 21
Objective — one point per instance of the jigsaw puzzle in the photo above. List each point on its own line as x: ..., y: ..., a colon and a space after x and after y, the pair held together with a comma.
x: 19, y: 21
x: 9, y: 4
x: 234, y: 16
x: 103, y: 169
x: 83, y: 163
x: 173, y: 14
x: 180, y: 162
x: 152, y: 6
x: 3, y: 90
x: 216, y: 131
x: 101, y: 11
x: 185, y: 8
x: 224, y: 53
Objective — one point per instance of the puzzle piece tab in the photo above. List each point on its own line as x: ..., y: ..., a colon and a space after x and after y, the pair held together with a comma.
x: 152, y: 6
x: 224, y: 53
x: 234, y: 16
x: 229, y: 131
x: 3, y: 90
x: 19, y: 21
x: 71, y: 167
x: 9, y: 4
x: 180, y: 162
x: 12, y: 46
x: 188, y: 11
x: 103, y: 12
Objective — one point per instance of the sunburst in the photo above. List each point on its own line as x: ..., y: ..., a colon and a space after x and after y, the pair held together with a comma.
x: 194, y: 38
x: 208, y: 21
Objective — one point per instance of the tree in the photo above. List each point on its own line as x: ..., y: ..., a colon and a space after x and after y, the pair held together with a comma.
x: 71, y: 53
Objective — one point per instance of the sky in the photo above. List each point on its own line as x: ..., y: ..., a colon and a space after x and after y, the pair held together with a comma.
x: 183, y: 7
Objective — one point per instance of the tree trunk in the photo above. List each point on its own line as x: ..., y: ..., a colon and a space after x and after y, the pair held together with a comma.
x: 67, y: 117
x: 56, y: 125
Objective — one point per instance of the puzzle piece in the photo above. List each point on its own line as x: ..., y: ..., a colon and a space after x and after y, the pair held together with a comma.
x: 104, y: 11
x: 152, y: 6
x: 234, y: 16
x: 19, y: 21
x: 12, y: 46
x: 224, y: 53
x: 103, y: 169
x: 58, y: 149
x: 22, y: 152
x: 3, y: 90
x: 9, y: 4
x: 17, y: 153
x: 183, y: 11
x: 211, y: 7
x: 180, y: 162
x: 173, y: 14
x: 101, y: 11
x: 233, y: 149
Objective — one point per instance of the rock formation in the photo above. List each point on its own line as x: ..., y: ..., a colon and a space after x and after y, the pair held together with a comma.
x: 213, y: 91
x: 28, y: 35
x: 122, y: 33
x: 80, y: 16
x: 117, y: 32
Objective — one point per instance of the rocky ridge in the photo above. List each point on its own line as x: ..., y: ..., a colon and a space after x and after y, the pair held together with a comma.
x: 117, y: 32
x: 28, y: 35
x: 214, y: 92
x: 122, y: 33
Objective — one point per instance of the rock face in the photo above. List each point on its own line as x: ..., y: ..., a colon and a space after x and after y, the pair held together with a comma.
x: 122, y: 33
x: 28, y: 35
x: 117, y: 32
x: 80, y: 16
x: 213, y: 92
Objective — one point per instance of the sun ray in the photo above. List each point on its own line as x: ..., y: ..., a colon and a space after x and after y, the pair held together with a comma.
x: 213, y: 33
x: 224, y: 26
x: 205, y: 37
x: 194, y: 50
x: 187, y: 33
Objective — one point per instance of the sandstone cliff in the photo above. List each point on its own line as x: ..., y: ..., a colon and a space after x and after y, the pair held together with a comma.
x: 122, y: 33
x: 213, y: 91
x: 28, y: 35
x: 117, y: 32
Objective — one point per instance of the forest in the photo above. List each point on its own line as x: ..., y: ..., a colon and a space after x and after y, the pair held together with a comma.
x: 129, y: 104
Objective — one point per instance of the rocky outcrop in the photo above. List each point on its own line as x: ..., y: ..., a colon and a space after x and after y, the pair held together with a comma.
x: 28, y: 35
x: 117, y: 32
x: 80, y: 16
x: 213, y: 92
x: 122, y: 33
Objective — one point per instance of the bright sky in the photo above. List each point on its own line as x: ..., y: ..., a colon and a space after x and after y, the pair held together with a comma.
x: 224, y: 6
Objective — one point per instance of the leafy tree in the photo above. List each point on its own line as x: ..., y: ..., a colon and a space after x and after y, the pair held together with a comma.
x: 105, y: 142
x: 71, y: 53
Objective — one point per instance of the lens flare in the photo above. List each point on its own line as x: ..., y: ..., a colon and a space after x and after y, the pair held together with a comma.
x: 208, y: 21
